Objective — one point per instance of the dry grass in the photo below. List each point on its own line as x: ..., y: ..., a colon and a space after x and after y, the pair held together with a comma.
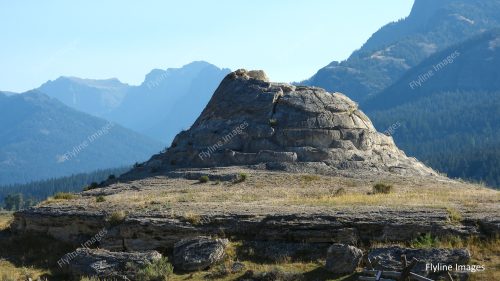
x: 284, y: 189
x: 9, y: 272
x: 5, y: 219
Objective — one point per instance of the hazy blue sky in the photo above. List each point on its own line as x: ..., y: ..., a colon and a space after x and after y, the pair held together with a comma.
x: 290, y: 40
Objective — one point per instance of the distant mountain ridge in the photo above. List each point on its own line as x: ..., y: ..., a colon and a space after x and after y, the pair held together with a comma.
x: 451, y: 119
x: 166, y: 102
x: 431, y: 26
x: 95, y: 97
x: 41, y: 138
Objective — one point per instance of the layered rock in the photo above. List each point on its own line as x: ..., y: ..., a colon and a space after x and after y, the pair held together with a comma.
x: 251, y: 121
x: 108, y: 265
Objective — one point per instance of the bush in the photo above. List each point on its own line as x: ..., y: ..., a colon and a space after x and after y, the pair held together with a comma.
x: 159, y: 270
x: 111, y: 177
x: 203, y: 179
x: 310, y: 178
x: 241, y: 178
x: 93, y: 185
x: 117, y: 217
x: 382, y: 188
x: 339, y: 192
x: 273, y: 122
x: 193, y: 218
x: 100, y: 198
x: 64, y: 196
x: 424, y: 241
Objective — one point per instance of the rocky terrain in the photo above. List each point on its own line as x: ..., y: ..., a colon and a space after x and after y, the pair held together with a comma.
x: 272, y: 173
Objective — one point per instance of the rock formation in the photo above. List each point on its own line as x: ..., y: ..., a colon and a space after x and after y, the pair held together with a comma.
x: 198, y: 253
x: 251, y: 121
x: 343, y: 259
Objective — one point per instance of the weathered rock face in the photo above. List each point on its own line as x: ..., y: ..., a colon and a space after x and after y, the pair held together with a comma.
x: 251, y: 121
x: 198, y: 253
x: 343, y: 259
x: 106, y: 264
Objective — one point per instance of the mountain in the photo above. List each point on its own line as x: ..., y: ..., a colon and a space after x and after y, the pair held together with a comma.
x: 42, y: 138
x: 95, y: 97
x: 7, y: 93
x: 168, y: 101
x: 446, y: 110
x: 165, y: 103
x: 432, y: 26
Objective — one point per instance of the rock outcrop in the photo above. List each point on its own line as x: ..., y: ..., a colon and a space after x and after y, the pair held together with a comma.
x: 251, y: 121
x: 343, y: 259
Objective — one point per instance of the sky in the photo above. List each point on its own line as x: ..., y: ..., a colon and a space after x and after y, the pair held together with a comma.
x: 289, y: 39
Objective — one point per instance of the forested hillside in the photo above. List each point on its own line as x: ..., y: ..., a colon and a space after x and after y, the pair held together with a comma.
x: 25, y: 195
x: 450, y: 119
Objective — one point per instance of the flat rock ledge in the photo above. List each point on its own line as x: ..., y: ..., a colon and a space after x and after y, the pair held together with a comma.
x: 161, y: 231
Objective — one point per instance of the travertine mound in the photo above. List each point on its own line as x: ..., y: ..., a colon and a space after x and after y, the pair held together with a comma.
x: 251, y: 121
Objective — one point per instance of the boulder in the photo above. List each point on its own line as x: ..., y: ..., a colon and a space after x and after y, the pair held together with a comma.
x: 105, y: 264
x: 343, y: 259
x: 198, y: 253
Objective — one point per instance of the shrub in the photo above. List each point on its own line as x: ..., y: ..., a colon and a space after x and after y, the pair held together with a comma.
x: 203, y: 179
x: 310, y: 178
x: 93, y: 185
x: 158, y: 270
x: 241, y: 178
x: 454, y: 215
x: 100, y: 198
x: 192, y: 218
x: 64, y: 196
x: 424, y: 241
x: 111, y: 177
x: 273, y: 122
x: 117, y: 217
x: 382, y: 188
x: 339, y: 192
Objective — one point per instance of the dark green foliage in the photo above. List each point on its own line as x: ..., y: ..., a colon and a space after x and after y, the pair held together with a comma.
x: 159, y: 270
x: 382, y: 188
x: 273, y: 122
x: 241, y: 178
x: 456, y: 132
x: 100, y: 199
x: 37, y: 191
x: 203, y: 179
